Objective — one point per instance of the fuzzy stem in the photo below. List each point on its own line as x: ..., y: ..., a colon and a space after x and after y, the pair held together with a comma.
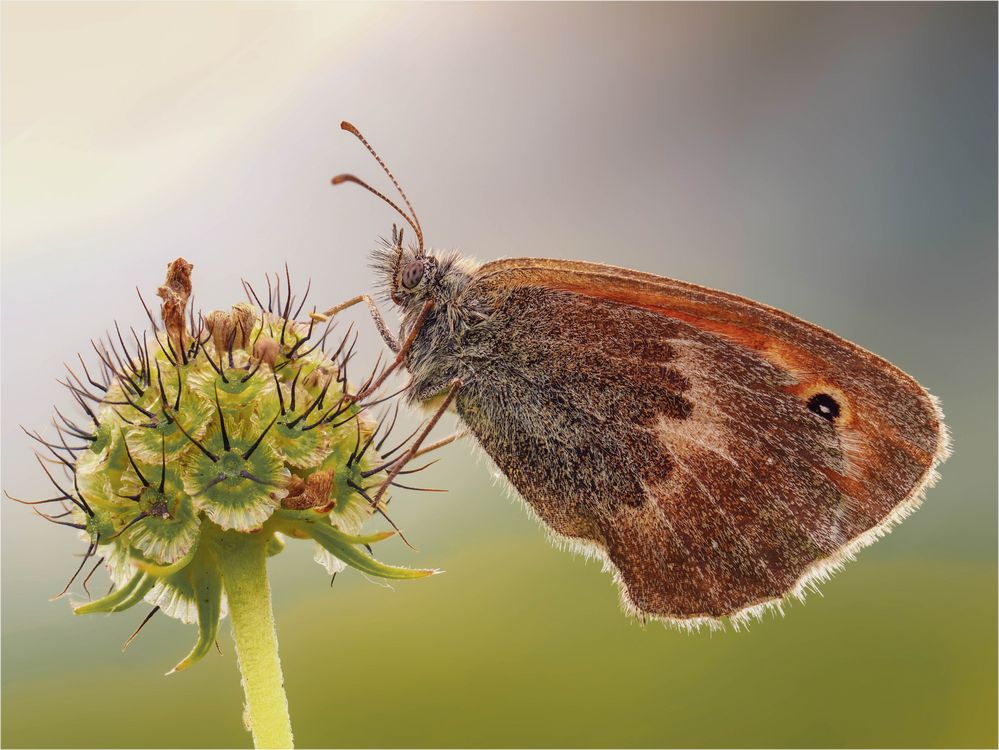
x: 243, y: 559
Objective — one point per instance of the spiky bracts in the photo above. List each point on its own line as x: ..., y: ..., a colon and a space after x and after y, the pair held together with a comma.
x: 212, y: 428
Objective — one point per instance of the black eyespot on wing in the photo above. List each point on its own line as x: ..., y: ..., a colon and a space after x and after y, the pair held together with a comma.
x: 824, y: 405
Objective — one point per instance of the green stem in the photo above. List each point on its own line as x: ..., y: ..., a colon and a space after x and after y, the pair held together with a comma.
x: 243, y: 559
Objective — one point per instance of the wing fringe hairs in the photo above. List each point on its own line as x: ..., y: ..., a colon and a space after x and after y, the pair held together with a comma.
x: 817, y: 573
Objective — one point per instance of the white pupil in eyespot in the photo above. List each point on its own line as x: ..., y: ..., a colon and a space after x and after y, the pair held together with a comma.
x: 412, y: 274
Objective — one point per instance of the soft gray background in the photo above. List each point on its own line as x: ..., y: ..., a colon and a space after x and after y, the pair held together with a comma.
x: 837, y: 161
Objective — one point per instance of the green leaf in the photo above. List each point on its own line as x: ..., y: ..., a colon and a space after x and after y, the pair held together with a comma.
x: 339, y: 544
x: 367, y: 538
x: 208, y: 591
x: 155, y: 569
x: 143, y: 588
x: 117, y: 601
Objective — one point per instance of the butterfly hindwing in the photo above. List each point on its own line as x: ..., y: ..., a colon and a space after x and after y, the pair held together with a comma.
x: 718, y: 453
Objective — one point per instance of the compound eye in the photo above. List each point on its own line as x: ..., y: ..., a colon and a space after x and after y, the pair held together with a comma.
x: 412, y: 274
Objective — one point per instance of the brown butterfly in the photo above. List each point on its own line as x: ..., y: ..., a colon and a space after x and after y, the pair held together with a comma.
x: 716, y: 453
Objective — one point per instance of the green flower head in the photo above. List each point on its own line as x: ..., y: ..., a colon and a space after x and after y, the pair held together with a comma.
x: 215, y: 430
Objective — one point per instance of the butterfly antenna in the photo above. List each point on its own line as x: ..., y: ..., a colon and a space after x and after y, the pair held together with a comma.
x: 414, y: 222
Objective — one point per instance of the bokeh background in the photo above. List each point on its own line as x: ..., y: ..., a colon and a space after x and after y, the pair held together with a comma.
x: 837, y: 161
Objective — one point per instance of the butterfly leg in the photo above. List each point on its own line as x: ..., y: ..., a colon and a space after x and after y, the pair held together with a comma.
x: 441, y: 443
x: 399, y: 348
x: 400, y: 356
x: 391, y: 341
x: 414, y: 449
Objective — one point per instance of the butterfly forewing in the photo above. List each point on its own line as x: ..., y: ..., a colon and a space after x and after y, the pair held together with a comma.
x: 719, y: 453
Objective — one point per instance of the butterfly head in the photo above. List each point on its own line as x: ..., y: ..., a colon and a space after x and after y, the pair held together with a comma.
x: 406, y: 274
x: 411, y: 275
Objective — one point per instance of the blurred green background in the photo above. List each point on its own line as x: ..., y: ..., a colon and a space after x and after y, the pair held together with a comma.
x: 837, y: 161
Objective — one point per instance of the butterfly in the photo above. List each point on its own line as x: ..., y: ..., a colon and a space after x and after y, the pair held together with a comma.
x: 718, y: 455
